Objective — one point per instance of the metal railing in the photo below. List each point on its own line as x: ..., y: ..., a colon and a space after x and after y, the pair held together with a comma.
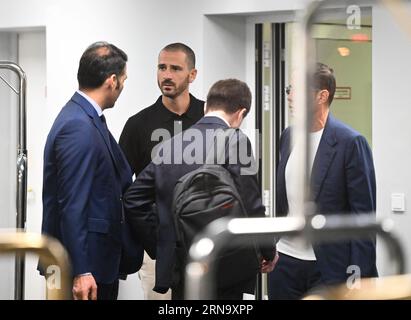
x: 51, y: 253
x: 21, y: 196
x: 200, y: 272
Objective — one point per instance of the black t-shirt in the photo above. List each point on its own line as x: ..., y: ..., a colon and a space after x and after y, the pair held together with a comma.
x: 136, y: 139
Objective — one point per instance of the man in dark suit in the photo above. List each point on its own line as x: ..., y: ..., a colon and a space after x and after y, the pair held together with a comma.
x: 85, y: 175
x: 342, y: 182
x: 227, y: 104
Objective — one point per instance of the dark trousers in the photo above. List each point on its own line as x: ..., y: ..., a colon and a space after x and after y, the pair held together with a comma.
x: 236, y: 292
x: 232, y: 293
x: 292, y: 278
x: 107, y: 291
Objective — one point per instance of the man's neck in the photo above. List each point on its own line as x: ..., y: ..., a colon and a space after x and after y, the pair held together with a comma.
x: 96, y: 96
x: 179, y: 104
x: 320, y: 118
x: 219, y: 114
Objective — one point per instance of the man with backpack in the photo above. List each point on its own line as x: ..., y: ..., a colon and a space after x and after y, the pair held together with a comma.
x: 166, y: 182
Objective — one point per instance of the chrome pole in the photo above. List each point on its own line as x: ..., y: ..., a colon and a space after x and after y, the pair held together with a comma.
x: 21, y: 197
x: 303, y: 58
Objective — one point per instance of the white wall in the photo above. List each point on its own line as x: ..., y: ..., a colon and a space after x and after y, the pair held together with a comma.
x: 8, y: 151
x: 247, y: 7
x: 8, y: 52
x: 226, y: 41
x: 224, y: 36
x: 391, y: 123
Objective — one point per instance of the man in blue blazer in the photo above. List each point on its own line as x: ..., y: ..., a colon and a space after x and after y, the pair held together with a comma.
x: 228, y: 102
x: 85, y: 176
x: 342, y: 182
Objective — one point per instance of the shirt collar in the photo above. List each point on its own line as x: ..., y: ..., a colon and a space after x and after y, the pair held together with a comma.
x: 92, y: 102
x: 191, y: 111
x: 215, y: 114
x: 167, y: 114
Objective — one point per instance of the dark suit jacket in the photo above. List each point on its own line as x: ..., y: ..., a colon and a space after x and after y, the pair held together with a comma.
x: 85, y: 175
x: 342, y: 182
x: 156, y: 184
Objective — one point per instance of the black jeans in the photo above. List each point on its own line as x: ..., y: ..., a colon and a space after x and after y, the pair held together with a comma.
x: 234, y: 292
x: 292, y: 278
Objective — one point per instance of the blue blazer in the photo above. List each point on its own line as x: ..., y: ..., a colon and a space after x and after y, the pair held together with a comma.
x: 342, y: 182
x: 85, y: 176
x: 155, y: 184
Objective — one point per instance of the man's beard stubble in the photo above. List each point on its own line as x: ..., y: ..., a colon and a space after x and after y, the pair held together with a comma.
x: 177, y: 89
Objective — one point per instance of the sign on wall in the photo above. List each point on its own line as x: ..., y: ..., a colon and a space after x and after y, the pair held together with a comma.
x: 343, y: 93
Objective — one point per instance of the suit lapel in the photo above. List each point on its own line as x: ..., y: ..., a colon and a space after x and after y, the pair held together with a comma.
x: 324, y: 157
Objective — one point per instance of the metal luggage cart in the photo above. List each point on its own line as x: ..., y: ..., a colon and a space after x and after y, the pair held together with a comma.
x: 21, y: 195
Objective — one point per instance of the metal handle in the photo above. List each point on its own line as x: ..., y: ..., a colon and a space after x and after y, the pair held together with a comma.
x: 21, y: 196
x: 51, y: 252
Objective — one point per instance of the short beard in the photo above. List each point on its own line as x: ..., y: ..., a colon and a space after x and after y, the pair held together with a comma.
x: 178, y: 89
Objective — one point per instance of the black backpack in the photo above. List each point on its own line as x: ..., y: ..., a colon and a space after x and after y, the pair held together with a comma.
x: 200, y: 197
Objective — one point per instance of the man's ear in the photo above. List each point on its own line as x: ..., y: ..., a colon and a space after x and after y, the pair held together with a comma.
x: 243, y: 113
x: 240, y: 114
x: 111, y: 81
x: 192, y: 75
x: 323, y: 96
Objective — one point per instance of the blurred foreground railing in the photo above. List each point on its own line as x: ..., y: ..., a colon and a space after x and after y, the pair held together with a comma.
x: 224, y: 233
x: 52, y: 254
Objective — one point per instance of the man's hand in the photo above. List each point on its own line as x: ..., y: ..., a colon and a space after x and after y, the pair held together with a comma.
x: 84, y: 288
x: 268, y: 266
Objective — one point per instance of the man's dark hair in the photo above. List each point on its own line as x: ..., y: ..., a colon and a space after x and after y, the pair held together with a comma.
x: 190, y: 56
x: 99, y: 62
x: 324, y: 80
x: 229, y: 95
